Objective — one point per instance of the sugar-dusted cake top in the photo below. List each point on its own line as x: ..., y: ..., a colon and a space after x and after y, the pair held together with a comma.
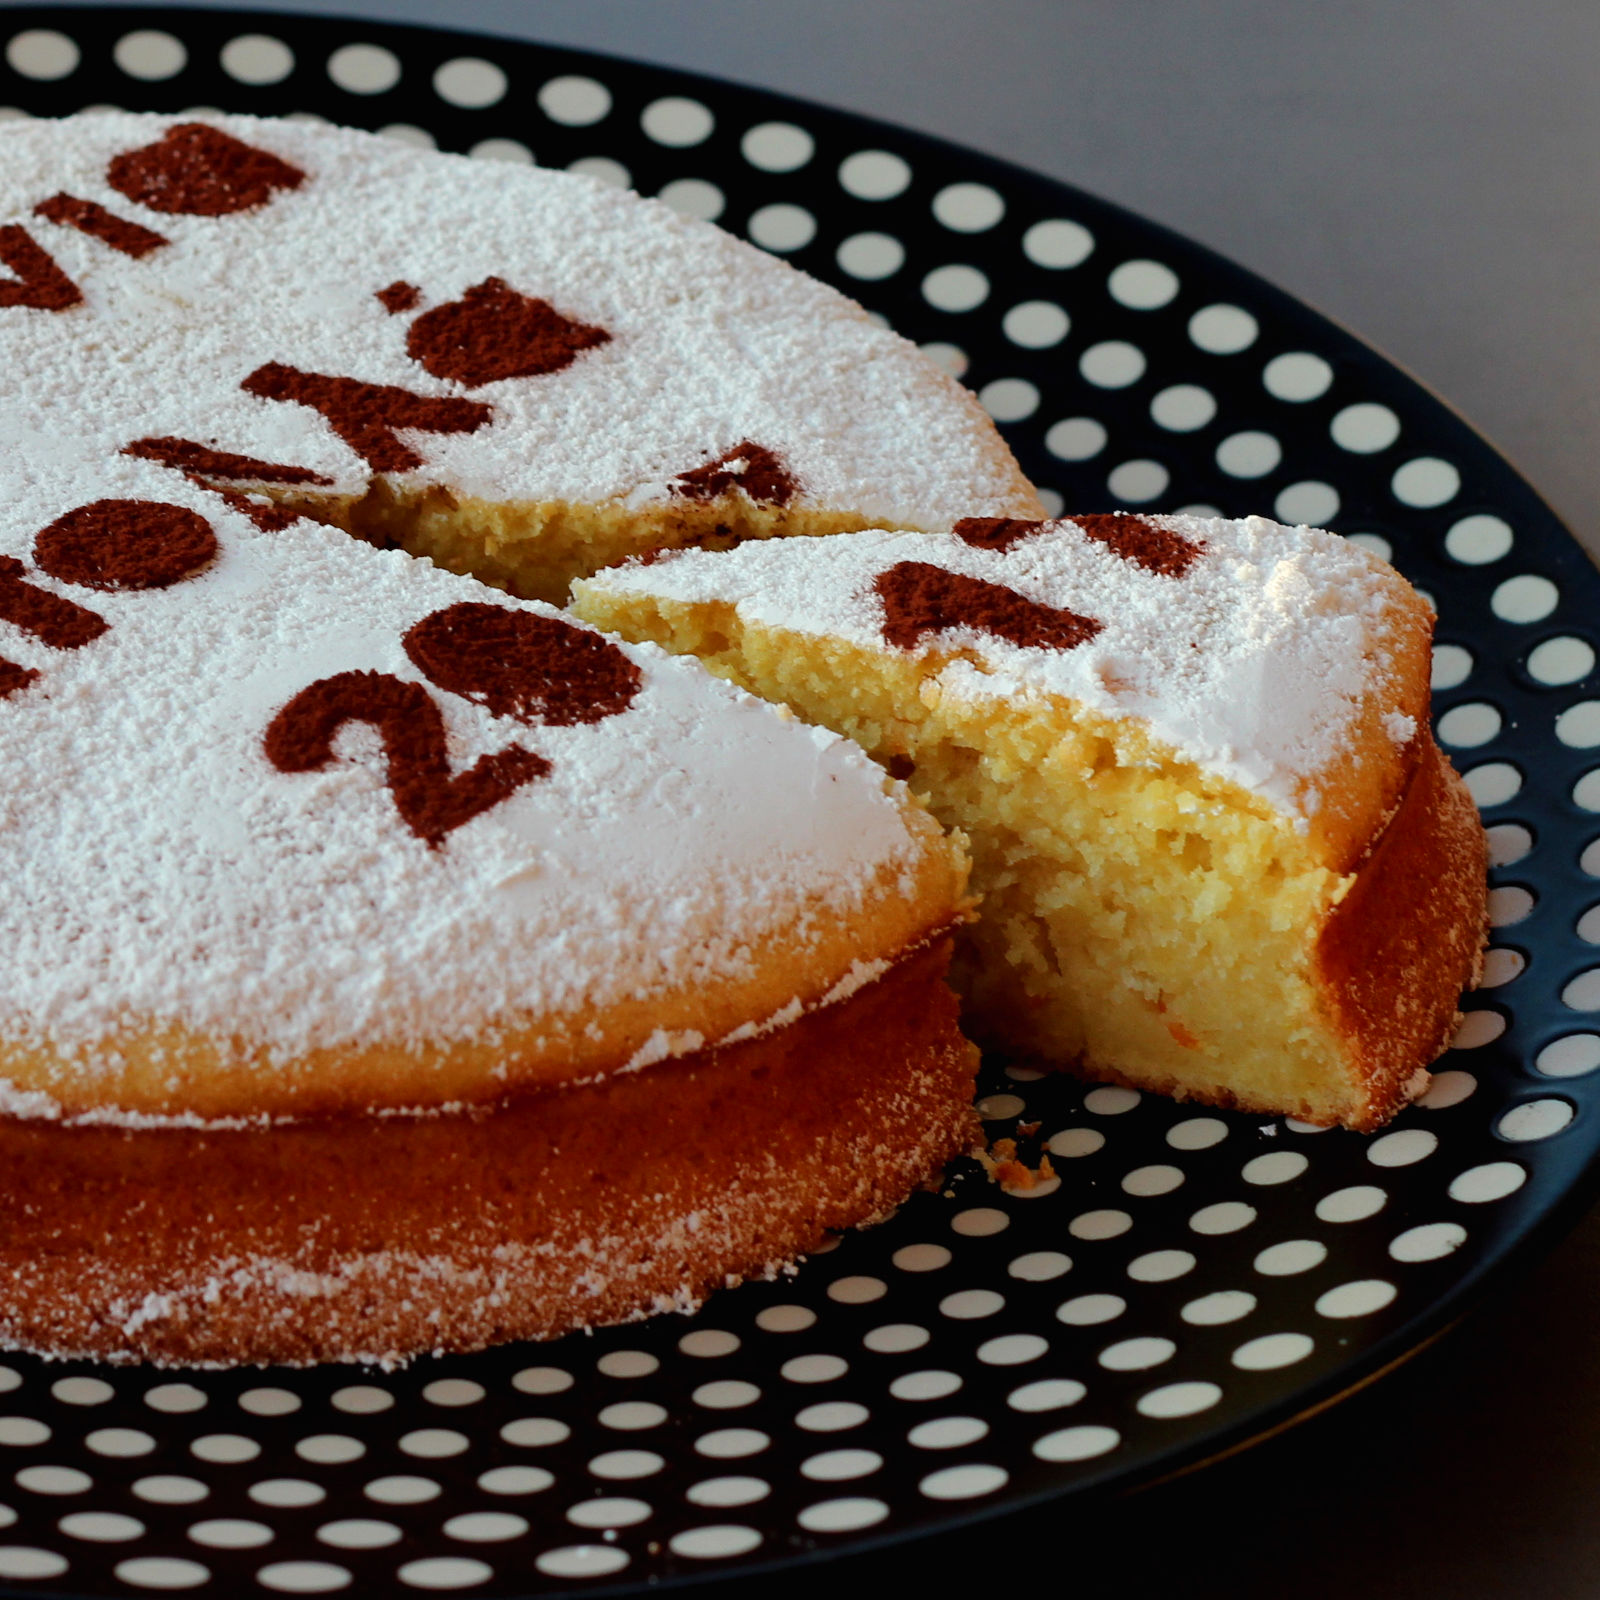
x: 336, y: 304
x: 298, y: 794
x: 1256, y: 651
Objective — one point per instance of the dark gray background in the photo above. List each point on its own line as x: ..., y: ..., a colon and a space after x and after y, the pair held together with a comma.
x: 1428, y: 173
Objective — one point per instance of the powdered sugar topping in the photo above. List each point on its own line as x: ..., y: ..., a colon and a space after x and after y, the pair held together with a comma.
x: 1252, y: 659
x: 220, y: 301
x: 158, y: 866
x: 688, y: 344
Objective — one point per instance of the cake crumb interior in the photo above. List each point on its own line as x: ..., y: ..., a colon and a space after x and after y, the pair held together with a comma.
x: 1149, y: 915
x: 534, y: 549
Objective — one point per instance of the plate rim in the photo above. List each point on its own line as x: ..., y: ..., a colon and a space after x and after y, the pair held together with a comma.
x: 1545, y: 531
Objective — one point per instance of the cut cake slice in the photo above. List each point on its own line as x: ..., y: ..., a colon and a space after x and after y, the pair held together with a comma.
x: 1219, y: 852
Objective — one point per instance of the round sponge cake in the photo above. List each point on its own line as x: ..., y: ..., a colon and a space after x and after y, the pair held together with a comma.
x: 393, y: 962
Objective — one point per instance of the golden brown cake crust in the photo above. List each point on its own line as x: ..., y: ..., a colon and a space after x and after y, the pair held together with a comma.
x: 378, y: 1238
x: 1407, y: 938
x: 175, y: 1071
x: 1394, y: 954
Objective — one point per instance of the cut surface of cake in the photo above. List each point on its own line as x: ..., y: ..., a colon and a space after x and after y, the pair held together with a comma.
x: 1218, y: 852
x: 521, y: 373
x: 393, y: 964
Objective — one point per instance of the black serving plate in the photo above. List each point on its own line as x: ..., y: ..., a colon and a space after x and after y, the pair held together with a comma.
x: 1195, y: 1279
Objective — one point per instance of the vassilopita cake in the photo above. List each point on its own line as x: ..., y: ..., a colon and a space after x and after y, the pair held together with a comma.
x: 392, y: 963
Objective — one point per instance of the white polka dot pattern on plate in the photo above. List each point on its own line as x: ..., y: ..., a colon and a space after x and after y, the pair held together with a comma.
x: 1135, y: 482
x: 1561, y: 660
x: 1040, y: 1266
x: 1478, y: 539
x: 1468, y: 726
x: 1223, y: 330
x: 1112, y: 364
x: 677, y: 121
x: 408, y: 133
x: 949, y: 358
x: 1160, y: 1178
x: 777, y: 146
x: 1494, y: 783
x: 1351, y: 1205
x: 871, y: 256
x: 364, y: 1399
x: 782, y: 227
x: 364, y: 69
x: 1509, y: 842
x: 1036, y: 324
x: 402, y: 1489
x: 1197, y: 1133
x: 1273, y: 1350
x: 1535, y: 1119
x: 612, y: 1511
x: 1076, y: 439
x: 1310, y: 502
x: 1359, y: 1299
x: 257, y: 59
x: 1426, y: 481
x: 1297, y: 376
x: 844, y: 1515
x: 874, y: 175
x: 1009, y: 399
x: 42, y: 54
x: 964, y: 1483
x: 1524, y: 598
x: 1452, y: 666
x: 1365, y: 428
x: 84, y: 1391
x: 470, y: 82
x: 955, y: 288
x: 1089, y: 1310
x: 694, y: 197
x: 581, y: 1561
x: 1221, y: 1307
x: 1431, y: 1241
x: 1249, y: 454
x: 1107, y: 1223
x: 575, y: 101
x: 1449, y: 1088
x: 1179, y: 1399
x: 150, y: 55
x: 968, y: 207
x: 1046, y: 1394
x: 1277, y: 1166
x: 1127, y: 372
x: 1077, y: 1444
x: 109, y: 1527
x: 1225, y: 1216
x: 1143, y: 285
x: 926, y: 1385
x: 1291, y: 1257
x: 734, y: 1490
x: 1058, y: 243
x: 1183, y: 407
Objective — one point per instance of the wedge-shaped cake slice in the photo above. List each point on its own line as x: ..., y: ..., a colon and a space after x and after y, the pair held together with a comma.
x: 1219, y: 853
